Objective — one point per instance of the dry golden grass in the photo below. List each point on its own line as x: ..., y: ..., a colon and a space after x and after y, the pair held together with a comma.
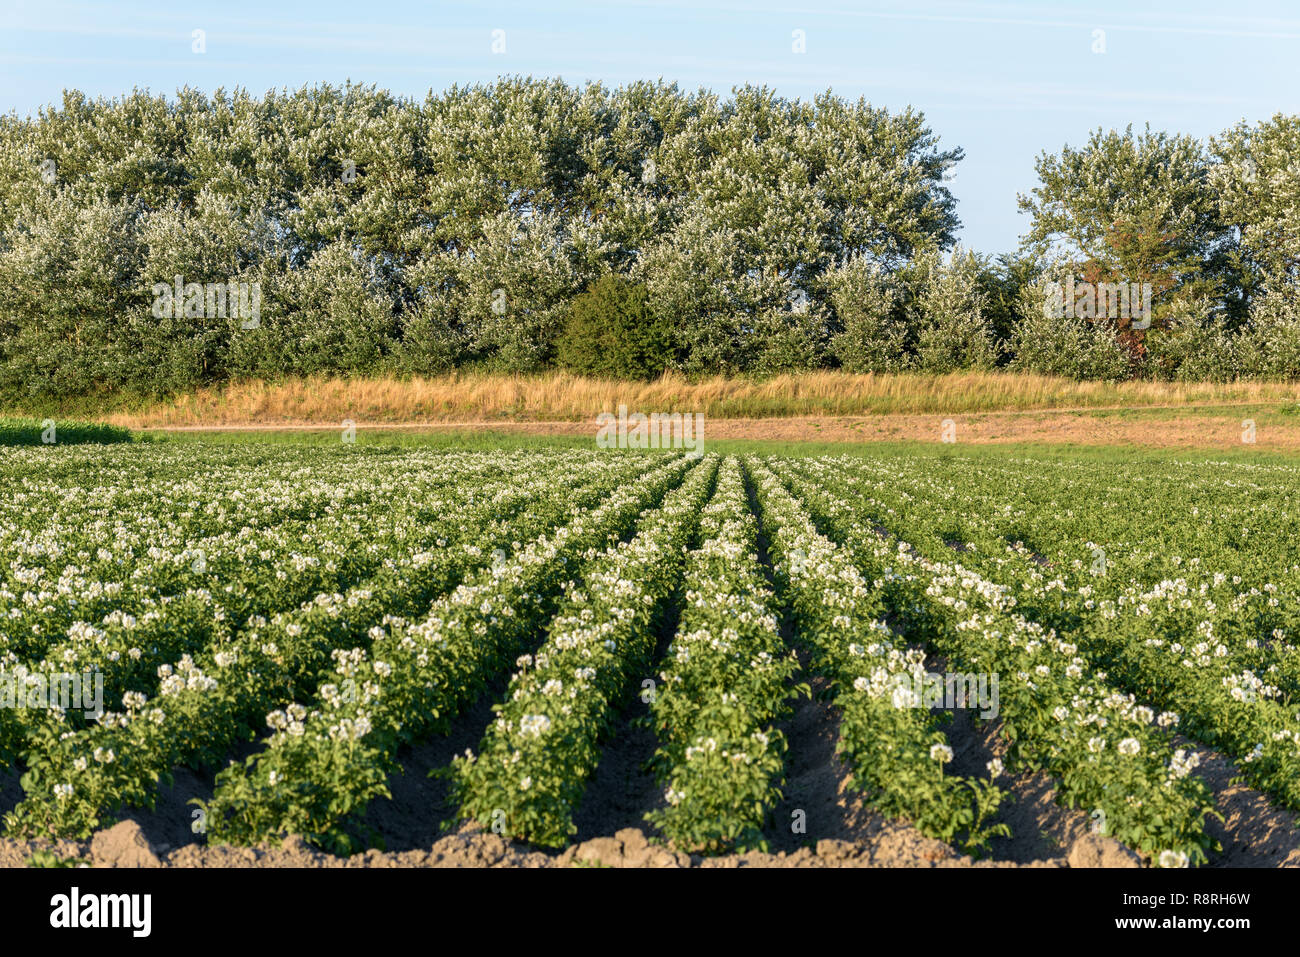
x: 567, y: 398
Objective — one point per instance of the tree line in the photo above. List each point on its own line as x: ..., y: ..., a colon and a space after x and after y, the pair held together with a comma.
x: 530, y: 224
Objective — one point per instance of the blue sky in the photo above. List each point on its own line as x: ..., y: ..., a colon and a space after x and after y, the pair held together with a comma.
x: 1003, y: 80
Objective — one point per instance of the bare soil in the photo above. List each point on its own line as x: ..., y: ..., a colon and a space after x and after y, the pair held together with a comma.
x: 1163, y: 430
x: 837, y: 829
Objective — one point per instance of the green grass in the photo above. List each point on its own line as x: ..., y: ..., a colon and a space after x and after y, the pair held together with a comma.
x: 388, y: 438
x: 14, y: 431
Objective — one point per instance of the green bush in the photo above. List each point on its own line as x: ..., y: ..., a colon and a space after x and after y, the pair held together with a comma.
x: 1270, y: 342
x: 949, y: 308
x: 1192, y: 344
x: 14, y: 431
x: 610, y: 332
x: 1068, y: 346
x: 388, y: 235
x: 873, y: 331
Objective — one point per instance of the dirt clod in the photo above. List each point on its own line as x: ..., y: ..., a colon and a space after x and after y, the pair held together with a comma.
x: 123, y: 845
x: 1094, y: 850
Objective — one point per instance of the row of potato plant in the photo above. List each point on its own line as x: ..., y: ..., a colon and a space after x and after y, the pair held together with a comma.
x: 725, y: 684
x: 1108, y: 753
x: 208, y: 702
x: 534, y: 762
x: 893, y: 744
x: 328, y: 757
x: 1203, y: 643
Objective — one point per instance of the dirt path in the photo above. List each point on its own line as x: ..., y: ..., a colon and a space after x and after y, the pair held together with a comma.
x: 1082, y: 427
